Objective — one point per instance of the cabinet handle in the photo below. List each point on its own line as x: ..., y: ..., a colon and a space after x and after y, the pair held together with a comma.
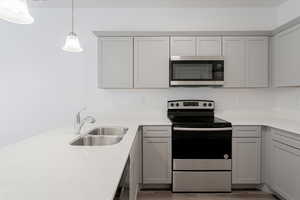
x: 156, y: 142
x: 201, y: 129
x: 156, y: 131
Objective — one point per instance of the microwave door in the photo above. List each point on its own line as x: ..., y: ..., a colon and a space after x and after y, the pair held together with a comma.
x: 193, y: 73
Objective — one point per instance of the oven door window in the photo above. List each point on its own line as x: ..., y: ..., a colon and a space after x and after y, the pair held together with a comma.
x: 201, y: 145
x: 192, y: 71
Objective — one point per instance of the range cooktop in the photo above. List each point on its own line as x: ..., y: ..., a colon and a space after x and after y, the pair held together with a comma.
x: 194, y: 113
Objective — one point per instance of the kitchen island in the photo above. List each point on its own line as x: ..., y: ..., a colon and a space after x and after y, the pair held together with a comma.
x: 47, y: 167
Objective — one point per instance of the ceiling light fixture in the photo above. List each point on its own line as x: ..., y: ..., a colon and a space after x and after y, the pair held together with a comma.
x: 15, y: 11
x: 72, y: 43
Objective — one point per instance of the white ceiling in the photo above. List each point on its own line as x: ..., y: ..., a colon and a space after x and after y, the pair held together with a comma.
x: 154, y: 3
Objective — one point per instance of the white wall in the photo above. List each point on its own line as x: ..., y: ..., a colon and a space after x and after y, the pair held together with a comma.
x: 42, y: 87
x: 288, y: 11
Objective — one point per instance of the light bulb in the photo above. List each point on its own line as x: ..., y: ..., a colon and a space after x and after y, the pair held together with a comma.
x: 15, y: 11
x: 72, y: 43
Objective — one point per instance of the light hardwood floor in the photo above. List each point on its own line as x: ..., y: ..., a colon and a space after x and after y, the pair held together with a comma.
x: 236, y: 195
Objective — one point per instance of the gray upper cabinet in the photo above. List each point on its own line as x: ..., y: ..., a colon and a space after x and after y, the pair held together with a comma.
x: 285, y: 58
x: 196, y: 46
x: 115, y: 62
x: 257, y: 56
x: 151, y: 62
x: 209, y: 46
x: 246, y: 61
x: 143, y: 62
x: 235, y: 61
x: 183, y: 46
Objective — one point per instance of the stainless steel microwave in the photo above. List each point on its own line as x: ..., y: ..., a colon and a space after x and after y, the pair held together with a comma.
x: 196, y: 71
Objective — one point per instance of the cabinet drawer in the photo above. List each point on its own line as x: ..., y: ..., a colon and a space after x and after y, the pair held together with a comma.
x: 246, y: 131
x: 157, y: 131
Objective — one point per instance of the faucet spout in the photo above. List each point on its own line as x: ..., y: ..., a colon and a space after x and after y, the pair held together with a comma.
x: 82, y: 122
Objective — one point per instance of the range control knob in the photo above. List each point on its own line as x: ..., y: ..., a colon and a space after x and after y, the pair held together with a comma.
x: 177, y: 104
x: 172, y: 104
x: 205, y: 104
x: 210, y: 104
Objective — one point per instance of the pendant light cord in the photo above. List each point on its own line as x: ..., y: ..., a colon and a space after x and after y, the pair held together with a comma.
x: 72, y: 16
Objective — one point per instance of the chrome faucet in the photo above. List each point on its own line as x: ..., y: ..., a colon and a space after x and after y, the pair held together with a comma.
x: 81, y: 122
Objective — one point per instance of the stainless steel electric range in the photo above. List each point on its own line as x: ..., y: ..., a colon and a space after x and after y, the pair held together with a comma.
x: 201, y: 147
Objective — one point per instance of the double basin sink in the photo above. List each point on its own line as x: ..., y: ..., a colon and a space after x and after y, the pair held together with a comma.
x: 101, y: 136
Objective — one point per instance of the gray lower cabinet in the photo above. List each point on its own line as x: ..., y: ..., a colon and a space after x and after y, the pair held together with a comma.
x: 285, y: 164
x: 246, y: 155
x: 157, y: 155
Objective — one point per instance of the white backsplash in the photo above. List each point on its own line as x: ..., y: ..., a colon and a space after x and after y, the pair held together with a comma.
x: 147, y: 102
x: 287, y: 102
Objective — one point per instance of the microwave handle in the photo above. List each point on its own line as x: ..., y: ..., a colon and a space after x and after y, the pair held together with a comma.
x: 202, y: 129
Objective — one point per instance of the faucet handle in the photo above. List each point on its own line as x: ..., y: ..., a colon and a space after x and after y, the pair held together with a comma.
x: 78, y: 115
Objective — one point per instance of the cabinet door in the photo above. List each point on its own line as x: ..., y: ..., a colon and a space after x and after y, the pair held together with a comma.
x: 285, y: 165
x: 135, y: 167
x: 274, y: 67
x: 209, y: 46
x: 257, y: 56
x: 266, y: 156
x: 151, y: 62
x: 183, y: 46
x: 288, y: 57
x: 235, y: 62
x: 246, y: 155
x: 156, y: 160
x: 115, y: 68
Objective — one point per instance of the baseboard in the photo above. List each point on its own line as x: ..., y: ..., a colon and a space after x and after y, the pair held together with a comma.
x: 246, y: 187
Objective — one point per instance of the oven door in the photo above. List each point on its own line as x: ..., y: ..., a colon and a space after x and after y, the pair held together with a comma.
x: 201, y: 143
x: 196, y: 72
x: 201, y: 159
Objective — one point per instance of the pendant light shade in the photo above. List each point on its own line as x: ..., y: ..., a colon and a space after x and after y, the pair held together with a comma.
x: 15, y: 11
x: 72, y: 43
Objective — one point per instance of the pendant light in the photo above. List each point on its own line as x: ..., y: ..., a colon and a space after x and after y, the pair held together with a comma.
x: 15, y: 11
x: 72, y: 43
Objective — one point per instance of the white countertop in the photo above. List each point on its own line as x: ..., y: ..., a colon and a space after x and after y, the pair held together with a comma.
x: 46, y: 167
x: 270, y: 119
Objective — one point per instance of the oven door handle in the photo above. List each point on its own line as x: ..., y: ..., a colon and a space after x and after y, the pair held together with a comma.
x: 202, y: 129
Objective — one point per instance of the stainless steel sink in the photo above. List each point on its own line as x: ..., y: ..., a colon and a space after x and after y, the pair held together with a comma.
x: 117, y: 131
x: 98, y: 140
